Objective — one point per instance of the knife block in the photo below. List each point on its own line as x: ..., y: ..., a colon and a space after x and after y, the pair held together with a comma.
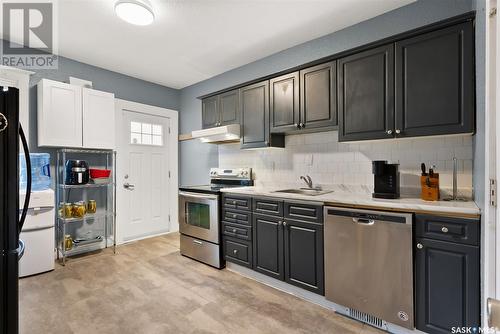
x: 430, y: 189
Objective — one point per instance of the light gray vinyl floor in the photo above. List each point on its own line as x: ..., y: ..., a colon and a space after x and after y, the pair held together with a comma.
x: 148, y: 287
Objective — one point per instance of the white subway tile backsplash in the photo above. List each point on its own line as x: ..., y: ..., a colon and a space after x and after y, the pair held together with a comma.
x: 329, y: 162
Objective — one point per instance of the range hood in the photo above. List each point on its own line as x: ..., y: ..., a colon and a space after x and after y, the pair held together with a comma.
x: 220, y: 134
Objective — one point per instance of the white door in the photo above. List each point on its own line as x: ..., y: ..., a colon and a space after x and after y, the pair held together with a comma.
x: 143, y: 180
x: 98, y: 119
x: 59, y: 114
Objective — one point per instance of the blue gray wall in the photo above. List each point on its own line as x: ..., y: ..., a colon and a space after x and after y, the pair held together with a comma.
x: 197, y: 158
x: 123, y: 86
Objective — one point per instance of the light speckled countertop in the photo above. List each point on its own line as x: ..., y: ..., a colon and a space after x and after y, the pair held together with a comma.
x: 346, y: 198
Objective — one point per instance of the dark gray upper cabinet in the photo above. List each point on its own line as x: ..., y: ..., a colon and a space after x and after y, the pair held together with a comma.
x: 435, y: 82
x: 318, y: 96
x: 304, y: 255
x: 210, y: 112
x: 284, y: 103
x: 221, y: 109
x: 447, y: 286
x: 268, y: 246
x: 254, y: 107
x: 366, y: 94
x: 229, y: 107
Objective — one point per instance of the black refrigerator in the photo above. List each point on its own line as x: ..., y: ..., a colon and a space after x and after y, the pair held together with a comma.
x: 11, y: 218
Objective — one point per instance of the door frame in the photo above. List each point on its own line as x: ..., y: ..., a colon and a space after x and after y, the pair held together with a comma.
x: 173, y: 161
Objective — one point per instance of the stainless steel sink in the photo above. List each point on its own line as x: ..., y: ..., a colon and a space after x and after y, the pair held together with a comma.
x: 304, y: 191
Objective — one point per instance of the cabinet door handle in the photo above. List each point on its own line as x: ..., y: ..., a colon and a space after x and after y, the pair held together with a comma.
x: 234, y: 230
x: 284, y: 224
x: 302, y: 125
x: 444, y: 229
x: 4, y: 123
x: 280, y: 223
x: 234, y: 216
x: 235, y: 251
x: 389, y: 132
x: 297, y: 126
x: 420, y: 246
x: 398, y: 131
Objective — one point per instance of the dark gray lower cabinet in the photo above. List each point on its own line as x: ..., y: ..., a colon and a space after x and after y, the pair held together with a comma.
x: 268, y: 246
x: 304, y: 255
x: 237, y: 251
x: 447, y: 286
x: 289, y: 249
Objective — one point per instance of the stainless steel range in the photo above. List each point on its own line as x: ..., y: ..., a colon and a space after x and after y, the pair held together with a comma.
x: 199, y: 212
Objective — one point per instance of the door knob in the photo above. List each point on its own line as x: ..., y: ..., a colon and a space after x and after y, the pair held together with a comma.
x: 444, y: 229
x: 302, y: 125
x: 420, y: 246
x: 128, y: 186
x: 297, y: 126
x: 389, y: 132
x: 398, y: 131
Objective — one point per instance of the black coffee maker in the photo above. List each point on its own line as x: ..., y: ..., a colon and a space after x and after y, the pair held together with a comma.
x: 386, y: 179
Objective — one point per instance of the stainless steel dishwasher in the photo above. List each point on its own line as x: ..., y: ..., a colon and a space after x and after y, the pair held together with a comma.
x: 369, y: 265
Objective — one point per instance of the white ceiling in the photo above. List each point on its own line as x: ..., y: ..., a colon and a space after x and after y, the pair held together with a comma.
x: 193, y: 40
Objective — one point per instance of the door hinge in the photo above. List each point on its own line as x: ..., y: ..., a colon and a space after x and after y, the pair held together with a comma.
x: 493, y: 11
x: 493, y: 192
x: 169, y: 218
x: 169, y: 130
x: 169, y: 174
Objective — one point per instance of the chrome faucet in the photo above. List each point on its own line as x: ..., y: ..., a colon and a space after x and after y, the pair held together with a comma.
x: 307, y: 179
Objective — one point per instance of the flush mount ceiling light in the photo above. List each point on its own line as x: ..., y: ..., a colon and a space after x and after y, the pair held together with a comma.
x: 138, y: 12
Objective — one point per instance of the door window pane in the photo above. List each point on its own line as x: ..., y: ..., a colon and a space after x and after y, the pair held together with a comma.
x: 135, y: 127
x: 198, y: 215
x: 146, y: 134
x: 146, y: 128
x: 146, y: 139
x: 135, y: 138
x: 157, y: 129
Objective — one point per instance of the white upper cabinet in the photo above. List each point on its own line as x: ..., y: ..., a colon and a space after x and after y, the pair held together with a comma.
x: 98, y: 119
x: 59, y: 114
x: 72, y: 116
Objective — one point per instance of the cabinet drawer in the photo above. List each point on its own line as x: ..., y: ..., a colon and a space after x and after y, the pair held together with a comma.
x: 268, y: 206
x: 301, y: 211
x: 237, y: 202
x: 237, y: 231
x: 238, y: 251
x: 237, y: 217
x: 465, y: 231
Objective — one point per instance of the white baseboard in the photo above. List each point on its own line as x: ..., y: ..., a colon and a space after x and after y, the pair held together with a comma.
x: 145, y: 236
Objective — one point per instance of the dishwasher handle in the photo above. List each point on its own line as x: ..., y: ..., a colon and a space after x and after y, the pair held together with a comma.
x: 363, y: 221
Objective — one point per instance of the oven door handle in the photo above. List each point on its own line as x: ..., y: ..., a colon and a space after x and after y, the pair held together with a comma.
x: 196, y: 195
